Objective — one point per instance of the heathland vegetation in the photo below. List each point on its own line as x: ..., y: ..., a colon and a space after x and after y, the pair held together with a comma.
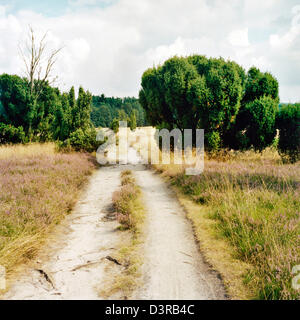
x: 247, y: 197
x: 39, y: 187
x: 245, y: 211
x: 245, y: 205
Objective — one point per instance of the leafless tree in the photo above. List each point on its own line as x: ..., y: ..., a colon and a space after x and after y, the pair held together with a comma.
x: 38, y: 62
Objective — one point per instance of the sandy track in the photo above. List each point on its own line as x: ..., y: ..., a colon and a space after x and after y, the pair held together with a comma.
x: 75, y: 260
x: 73, y: 265
x: 174, y: 268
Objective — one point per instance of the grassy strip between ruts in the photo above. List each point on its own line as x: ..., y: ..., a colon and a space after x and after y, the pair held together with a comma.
x: 130, y: 213
x: 39, y: 187
x: 246, y: 215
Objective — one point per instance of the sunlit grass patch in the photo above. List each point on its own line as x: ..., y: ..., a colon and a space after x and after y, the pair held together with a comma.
x: 28, y: 150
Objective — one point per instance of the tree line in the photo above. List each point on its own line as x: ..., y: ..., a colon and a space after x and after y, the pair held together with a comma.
x: 108, y: 111
x: 49, y: 116
x: 53, y: 115
x: 237, y: 109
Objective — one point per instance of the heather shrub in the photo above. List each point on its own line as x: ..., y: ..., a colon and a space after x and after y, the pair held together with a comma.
x: 254, y: 200
x: 39, y: 187
x: 127, y: 180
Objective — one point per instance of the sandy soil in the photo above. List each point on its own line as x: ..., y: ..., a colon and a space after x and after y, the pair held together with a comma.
x: 74, y: 263
x: 173, y: 268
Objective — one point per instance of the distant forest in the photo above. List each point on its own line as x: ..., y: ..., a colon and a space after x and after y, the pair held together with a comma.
x: 107, y: 109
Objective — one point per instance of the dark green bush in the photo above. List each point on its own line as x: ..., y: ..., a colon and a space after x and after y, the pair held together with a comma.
x: 115, y: 125
x: 212, y: 141
x: 81, y: 140
x: 11, y: 134
x: 193, y: 92
x: 288, y: 123
x: 261, y: 129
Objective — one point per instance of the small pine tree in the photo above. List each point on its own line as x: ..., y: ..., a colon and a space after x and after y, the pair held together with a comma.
x: 133, y: 120
x: 115, y: 125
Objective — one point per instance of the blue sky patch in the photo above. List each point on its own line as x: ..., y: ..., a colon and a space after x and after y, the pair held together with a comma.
x: 53, y: 7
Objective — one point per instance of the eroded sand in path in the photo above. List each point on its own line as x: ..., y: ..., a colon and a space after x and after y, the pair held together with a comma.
x: 173, y: 266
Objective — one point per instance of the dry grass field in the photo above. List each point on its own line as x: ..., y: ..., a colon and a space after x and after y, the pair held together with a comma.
x: 38, y: 188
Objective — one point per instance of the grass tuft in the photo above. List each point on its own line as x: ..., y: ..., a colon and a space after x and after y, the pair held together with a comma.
x: 127, y: 203
x: 129, y: 206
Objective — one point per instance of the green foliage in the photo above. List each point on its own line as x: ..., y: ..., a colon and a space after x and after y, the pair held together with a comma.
x: 193, y: 92
x: 260, y: 130
x: 260, y: 84
x: 288, y: 123
x: 132, y: 121
x: 115, y: 125
x: 101, y: 116
x: 122, y: 116
x: 213, y: 141
x: 71, y: 98
x: 11, y: 134
x: 83, y: 140
x: 254, y: 125
x: 16, y: 101
x: 82, y: 109
x: 48, y: 116
x: 105, y: 109
x: 235, y: 110
x: 219, y: 92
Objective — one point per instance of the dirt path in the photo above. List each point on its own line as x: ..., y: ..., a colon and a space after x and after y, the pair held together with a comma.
x: 173, y: 268
x: 74, y: 264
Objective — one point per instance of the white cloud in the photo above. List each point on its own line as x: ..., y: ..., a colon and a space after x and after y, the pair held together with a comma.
x: 107, y: 49
x: 289, y: 38
x: 239, y: 38
x: 78, y: 49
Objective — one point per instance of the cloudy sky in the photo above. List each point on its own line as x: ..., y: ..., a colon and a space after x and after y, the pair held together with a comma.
x: 107, y: 44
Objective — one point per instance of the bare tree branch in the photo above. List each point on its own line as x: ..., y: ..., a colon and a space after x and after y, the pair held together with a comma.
x: 38, y: 64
